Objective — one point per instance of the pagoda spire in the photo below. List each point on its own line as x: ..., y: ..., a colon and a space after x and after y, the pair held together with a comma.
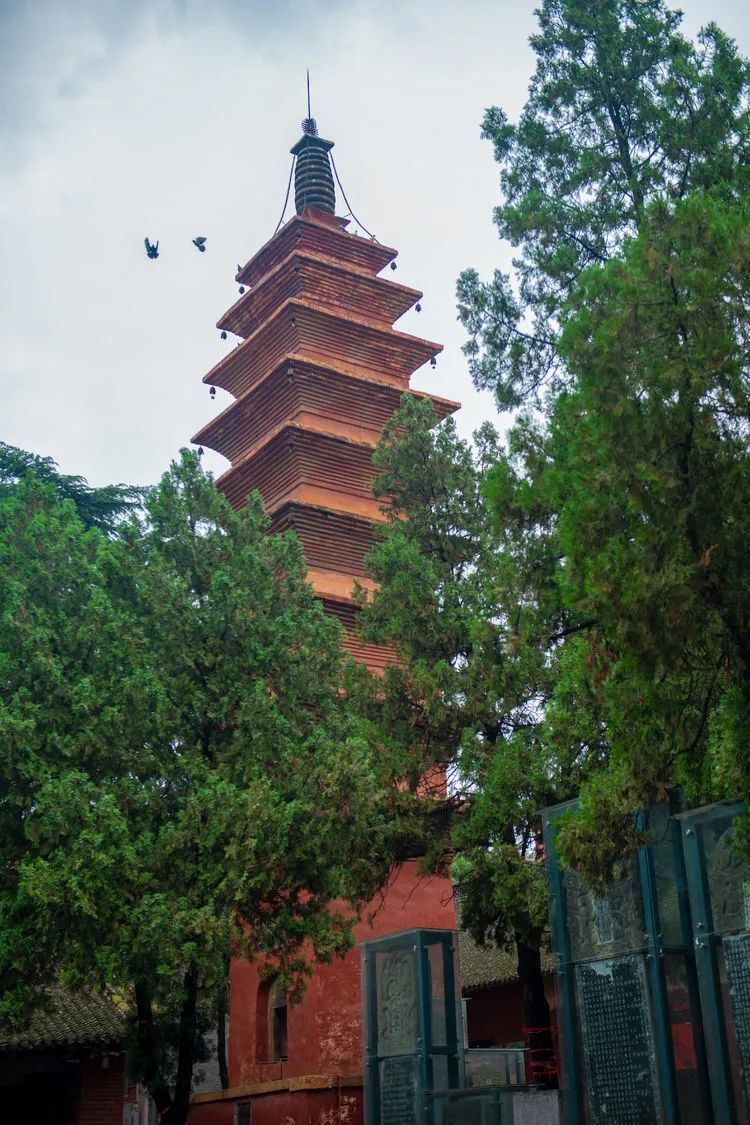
x: 313, y: 176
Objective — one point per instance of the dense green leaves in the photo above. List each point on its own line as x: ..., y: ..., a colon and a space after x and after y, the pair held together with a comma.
x: 624, y: 506
x: 458, y: 716
x: 180, y: 776
x: 622, y: 109
x: 103, y: 507
x: 619, y: 501
x: 649, y: 478
x: 570, y: 608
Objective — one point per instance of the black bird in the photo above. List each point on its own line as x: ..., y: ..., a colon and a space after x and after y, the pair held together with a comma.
x: 201, y: 244
x: 152, y: 248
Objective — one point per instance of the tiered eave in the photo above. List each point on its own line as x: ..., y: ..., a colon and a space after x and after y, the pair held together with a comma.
x: 317, y: 374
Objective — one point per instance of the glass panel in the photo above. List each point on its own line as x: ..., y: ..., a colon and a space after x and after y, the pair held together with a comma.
x: 603, y: 926
x: 398, y: 1011
x: 618, y: 1042
x: 496, y: 1066
x: 737, y: 962
x: 728, y: 877
x: 435, y: 954
x: 440, y: 1079
x: 690, y: 1094
x: 399, y: 1090
x: 665, y: 862
x: 472, y: 1107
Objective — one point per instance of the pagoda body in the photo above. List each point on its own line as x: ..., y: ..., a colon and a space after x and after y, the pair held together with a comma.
x: 318, y: 372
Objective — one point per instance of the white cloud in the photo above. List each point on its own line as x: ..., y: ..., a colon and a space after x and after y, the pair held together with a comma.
x: 174, y: 119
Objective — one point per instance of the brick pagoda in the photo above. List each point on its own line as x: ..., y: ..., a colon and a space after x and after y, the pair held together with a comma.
x: 317, y: 374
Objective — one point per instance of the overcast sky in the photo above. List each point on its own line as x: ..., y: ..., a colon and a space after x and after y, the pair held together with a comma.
x: 174, y: 118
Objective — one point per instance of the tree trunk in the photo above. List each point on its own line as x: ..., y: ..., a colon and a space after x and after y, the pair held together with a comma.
x: 169, y: 1110
x: 180, y: 1108
x: 221, y: 1028
x: 536, y: 1015
x: 151, y: 1072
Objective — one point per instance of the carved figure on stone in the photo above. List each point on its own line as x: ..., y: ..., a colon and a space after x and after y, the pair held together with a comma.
x: 397, y: 1004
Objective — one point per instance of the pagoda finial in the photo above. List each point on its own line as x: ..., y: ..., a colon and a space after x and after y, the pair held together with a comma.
x: 313, y: 178
x: 309, y: 124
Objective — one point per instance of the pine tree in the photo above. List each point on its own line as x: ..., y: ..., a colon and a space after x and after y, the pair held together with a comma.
x: 181, y: 779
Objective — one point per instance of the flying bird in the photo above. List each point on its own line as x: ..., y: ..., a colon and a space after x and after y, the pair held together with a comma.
x: 152, y: 248
x: 201, y: 244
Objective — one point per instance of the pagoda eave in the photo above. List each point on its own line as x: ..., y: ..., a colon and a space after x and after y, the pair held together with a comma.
x: 300, y: 391
x: 311, y: 232
x: 375, y: 657
x: 309, y: 425
x: 318, y: 335
x: 308, y: 495
x: 331, y: 541
x: 337, y: 587
x: 325, y: 281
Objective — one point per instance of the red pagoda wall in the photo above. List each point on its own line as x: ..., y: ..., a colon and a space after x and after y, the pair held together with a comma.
x: 317, y: 373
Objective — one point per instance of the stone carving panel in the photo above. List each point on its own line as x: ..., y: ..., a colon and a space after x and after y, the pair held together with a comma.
x: 398, y: 1016
x: 603, y: 927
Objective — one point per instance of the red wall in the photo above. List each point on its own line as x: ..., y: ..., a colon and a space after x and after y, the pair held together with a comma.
x: 102, y: 1091
x: 325, y: 1029
x: 495, y: 1015
x: 313, y: 1107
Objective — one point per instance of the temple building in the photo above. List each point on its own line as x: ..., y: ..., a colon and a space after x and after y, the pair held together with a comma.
x: 318, y: 372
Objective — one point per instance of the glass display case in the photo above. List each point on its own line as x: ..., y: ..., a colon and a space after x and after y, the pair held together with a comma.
x: 413, y: 1026
x: 629, y: 1017
x: 718, y: 875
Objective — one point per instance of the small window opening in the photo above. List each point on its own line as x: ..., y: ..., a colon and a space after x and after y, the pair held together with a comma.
x: 277, y: 1023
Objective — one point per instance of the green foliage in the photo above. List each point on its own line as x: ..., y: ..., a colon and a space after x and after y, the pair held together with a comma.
x: 622, y: 109
x: 648, y: 477
x: 619, y: 502
x: 574, y: 617
x: 103, y: 508
x: 180, y: 775
x: 465, y: 700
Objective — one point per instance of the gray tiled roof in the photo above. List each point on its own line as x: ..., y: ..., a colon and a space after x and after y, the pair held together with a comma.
x: 69, y: 1020
x: 481, y: 968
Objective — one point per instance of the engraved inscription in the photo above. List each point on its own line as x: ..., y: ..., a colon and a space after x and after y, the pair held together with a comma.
x: 398, y: 1091
x: 621, y: 1078
x: 737, y: 958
